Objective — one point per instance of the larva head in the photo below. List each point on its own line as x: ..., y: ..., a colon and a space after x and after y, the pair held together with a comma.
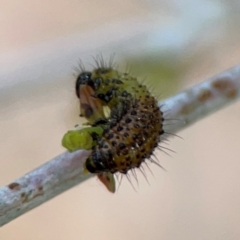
x: 84, y: 78
x: 90, y: 106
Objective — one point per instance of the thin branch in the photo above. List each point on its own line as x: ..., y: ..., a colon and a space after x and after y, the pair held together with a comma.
x: 42, y: 184
x: 193, y: 104
x: 66, y: 170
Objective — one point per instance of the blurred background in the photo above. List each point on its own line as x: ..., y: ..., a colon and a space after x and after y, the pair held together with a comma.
x: 173, y: 44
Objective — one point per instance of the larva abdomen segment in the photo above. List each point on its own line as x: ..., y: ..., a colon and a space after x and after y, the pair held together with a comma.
x: 133, y: 138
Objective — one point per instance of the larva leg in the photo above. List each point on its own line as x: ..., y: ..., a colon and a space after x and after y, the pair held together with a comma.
x: 108, y: 180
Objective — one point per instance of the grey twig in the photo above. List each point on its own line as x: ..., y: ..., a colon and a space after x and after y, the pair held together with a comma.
x: 66, y: 170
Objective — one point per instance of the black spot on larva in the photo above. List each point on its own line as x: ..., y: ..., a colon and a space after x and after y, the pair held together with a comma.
x: 97, y: 83
x: 134, y: 136
x: 128, y: 164
x: 128, y: 120
x: 124, y: 94
x: 95, y: 136
x: 101, y: 96
x: 126, y: 134
x: 106, y: 131
x: 121, y: 145
x: 108, y: 96
x: 110, y: 136
x: 120, y: 128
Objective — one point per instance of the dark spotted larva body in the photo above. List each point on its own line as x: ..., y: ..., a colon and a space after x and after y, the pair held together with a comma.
x: 133, y: 128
